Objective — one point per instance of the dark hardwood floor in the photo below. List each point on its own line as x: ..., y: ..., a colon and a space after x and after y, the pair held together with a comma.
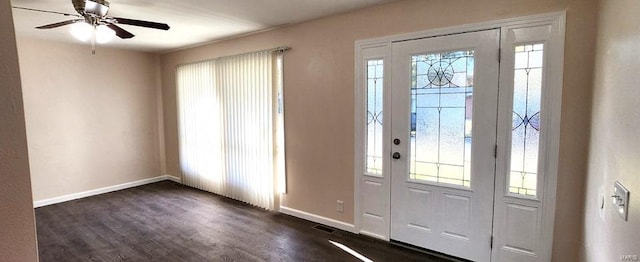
x: 166, y: 221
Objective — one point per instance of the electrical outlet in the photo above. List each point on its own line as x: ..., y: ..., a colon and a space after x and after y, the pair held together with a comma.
x: 340, y: 206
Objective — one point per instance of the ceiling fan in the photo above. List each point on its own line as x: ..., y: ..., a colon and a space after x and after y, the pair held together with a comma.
x: 94, y: 13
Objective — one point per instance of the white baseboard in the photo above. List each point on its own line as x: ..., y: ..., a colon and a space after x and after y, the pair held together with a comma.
x: 318, y: 219
x: 74, y: 196
x: 173, y: 178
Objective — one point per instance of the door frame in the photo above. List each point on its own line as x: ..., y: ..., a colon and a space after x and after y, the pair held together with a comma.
x: 380, y: 48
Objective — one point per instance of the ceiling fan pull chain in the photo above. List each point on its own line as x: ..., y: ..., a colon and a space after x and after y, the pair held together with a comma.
x: 93, y: 41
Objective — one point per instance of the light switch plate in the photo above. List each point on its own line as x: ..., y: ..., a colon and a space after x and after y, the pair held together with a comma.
x: 621, y: 200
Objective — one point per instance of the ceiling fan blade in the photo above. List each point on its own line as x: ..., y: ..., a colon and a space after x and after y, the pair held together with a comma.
x: 59, y: 24
x: 134, y: 22
x: 45, y: 11
x: 124, y: 34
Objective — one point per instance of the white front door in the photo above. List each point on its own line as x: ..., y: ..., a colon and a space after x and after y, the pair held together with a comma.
x: 444, y: 108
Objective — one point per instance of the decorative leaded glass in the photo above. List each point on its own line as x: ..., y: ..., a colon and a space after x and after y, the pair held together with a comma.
x: 525, y: 133
x: 441, y: 111
x: 375, y: 76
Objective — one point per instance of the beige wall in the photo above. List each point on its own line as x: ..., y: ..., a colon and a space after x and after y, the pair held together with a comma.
x: 319, y: 89
x: 17, y: 226
x: 91, y: 119
x: 615, y: 147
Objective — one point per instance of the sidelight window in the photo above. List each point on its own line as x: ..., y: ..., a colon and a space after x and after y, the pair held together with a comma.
x: 375, y: 81
x: 525, y: 129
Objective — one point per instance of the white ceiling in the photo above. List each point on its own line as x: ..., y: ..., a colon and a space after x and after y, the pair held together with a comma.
x: 192, y: 21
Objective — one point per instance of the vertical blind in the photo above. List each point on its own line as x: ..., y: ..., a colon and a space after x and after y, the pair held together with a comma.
x: 230, y: 126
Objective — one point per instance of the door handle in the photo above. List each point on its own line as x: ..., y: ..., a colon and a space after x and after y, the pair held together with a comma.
x: 395, y: 155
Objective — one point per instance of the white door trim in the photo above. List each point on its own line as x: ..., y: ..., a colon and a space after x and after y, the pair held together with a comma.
x: 551, y: 141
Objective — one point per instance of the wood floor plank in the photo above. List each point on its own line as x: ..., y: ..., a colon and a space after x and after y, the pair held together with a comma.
x: 166, y: 221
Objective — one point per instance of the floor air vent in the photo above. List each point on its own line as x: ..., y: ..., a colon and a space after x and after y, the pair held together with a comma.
x: 324, y: 228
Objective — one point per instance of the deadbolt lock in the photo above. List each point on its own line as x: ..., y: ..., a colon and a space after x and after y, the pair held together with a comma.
x: 396, y: 155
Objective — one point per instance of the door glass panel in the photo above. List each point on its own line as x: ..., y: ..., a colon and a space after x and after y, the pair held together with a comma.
x: 525, y: 129
x: 375, y: 75
x: 441, y: 111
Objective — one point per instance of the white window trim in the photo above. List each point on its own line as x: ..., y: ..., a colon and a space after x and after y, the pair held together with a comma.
x: 550, y: 142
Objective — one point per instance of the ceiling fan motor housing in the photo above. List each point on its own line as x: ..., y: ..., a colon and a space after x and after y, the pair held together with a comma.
x: 99, y: 8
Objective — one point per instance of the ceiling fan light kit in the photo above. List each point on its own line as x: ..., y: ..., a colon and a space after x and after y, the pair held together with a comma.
x: 92, y: 22
x: 104, y: 34
x: 85, y: 32
x: 81, y: 31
